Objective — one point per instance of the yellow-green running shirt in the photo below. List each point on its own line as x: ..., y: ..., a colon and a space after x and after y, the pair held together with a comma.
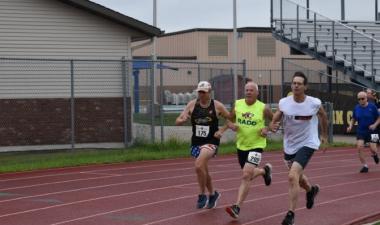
x: 250, y: 120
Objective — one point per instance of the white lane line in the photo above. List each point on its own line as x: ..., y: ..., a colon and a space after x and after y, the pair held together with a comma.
x: 155, y: 179
x: 260, y: 199
x: 194, y: 213
x: 130, y: 193
x: 232, y: 159
x: 150, y: 172
x: 57, y: 182
x: 143, y: 181
x: 319, y: 204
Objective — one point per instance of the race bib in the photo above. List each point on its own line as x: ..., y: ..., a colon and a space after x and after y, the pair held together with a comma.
x: 202, y: 131
x: 374, y: 138
x: 254, y: 158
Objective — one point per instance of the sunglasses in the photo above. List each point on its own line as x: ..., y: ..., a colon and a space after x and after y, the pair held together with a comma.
x: 361, y: 99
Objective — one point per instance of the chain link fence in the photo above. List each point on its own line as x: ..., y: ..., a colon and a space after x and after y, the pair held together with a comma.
x: 174, y: 84
x: 52, y: 104
x: 60, y: 104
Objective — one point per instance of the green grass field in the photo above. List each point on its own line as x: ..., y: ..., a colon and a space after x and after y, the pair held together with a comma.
x: 25, y: 161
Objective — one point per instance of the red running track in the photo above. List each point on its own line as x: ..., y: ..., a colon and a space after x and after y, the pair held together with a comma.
x: 164, y: 193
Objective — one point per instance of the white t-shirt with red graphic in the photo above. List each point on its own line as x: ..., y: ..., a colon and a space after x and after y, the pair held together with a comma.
x: 300, y: 123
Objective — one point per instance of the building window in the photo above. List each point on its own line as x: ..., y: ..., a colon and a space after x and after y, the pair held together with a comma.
x: 217, y: 45
x: 266, y: 46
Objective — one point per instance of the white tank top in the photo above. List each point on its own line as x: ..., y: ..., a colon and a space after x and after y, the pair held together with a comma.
x: 300, y: 123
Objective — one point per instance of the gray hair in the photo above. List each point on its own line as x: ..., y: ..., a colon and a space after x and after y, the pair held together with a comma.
x: 254, y: 84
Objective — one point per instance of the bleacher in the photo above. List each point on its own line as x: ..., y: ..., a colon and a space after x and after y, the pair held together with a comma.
x: 350, y: 46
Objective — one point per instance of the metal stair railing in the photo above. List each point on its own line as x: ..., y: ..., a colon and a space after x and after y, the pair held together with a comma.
x: 321, y: 35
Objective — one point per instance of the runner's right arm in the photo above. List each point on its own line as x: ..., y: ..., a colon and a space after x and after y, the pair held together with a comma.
x: 185, y: 114
x: 275, y: 123
x: 352, y: 122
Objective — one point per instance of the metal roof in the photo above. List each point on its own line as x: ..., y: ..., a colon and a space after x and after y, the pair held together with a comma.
x: 240, y: 29
x: 97, y: 9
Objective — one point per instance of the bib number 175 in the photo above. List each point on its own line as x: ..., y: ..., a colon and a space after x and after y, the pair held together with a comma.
x: 202, y: 131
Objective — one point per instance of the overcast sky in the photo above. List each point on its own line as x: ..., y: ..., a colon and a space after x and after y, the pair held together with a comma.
x: 175, y: 15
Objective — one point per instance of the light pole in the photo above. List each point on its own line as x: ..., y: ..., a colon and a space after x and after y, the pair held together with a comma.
x: 154, y: 51
x: 154, y: 54
x: 153, y: 77
x: 154, y: 47
x: 234, y: 51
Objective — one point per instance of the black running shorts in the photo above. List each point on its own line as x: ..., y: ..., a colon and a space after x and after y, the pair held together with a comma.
x: 366, y: 136
x: 302, y: 157
x: 243, y: 155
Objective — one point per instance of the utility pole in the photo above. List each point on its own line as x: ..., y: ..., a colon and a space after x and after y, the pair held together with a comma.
x: 234, y: 52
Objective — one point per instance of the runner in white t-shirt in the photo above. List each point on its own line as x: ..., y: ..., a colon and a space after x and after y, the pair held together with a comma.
x: 300, y: 114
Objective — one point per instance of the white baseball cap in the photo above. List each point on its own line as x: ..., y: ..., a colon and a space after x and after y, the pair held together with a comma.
x: 204, y: 86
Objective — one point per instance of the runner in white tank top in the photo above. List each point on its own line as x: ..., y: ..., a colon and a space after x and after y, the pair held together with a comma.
x: 299, y: 114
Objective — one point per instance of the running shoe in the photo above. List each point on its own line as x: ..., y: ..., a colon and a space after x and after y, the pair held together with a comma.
x: 289, y: 219
x: 233, y: 211
x: 364, y: 170
x: 212, y: 200
x: 202, y: 201
x: 376, y: 158
x: 268, y: 174
x: 310, y: 196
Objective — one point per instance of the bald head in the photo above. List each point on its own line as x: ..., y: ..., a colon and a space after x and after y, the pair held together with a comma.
x: 362, y: 94
x: 362, y: 98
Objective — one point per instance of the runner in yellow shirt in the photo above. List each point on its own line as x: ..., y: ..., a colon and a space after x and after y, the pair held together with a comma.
x: 249, y: 115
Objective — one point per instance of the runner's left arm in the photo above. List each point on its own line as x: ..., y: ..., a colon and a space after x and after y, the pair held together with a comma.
x: 323, y: 121
x: 268, y: 116
x: 377, y: 122
x: 222, y: 111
